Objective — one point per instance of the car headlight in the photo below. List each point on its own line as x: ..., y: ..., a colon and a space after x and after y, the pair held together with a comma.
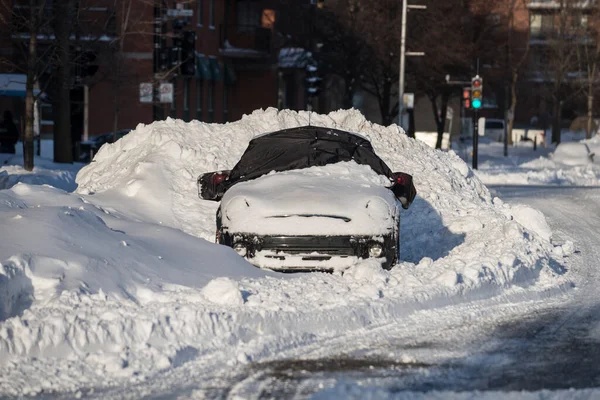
x: 378, y: 209
x: 237, y: 205
x: 375, y: 250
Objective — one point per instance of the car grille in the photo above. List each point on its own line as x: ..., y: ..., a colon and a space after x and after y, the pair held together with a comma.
x: 330, y: 245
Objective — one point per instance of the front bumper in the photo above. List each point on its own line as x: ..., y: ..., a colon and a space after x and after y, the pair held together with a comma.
x: 307, y: 253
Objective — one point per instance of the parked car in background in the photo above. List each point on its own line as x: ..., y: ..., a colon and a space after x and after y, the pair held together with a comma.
x: 309, y: 198
x: 90, y: 147
x: 573, y: 153
x: 494, y: 129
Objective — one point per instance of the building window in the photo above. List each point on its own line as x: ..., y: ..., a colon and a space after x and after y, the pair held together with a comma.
x: 225, y: 103
x: 199, y: 88
x: 541, y: 24
x: 211, y: 14
x: 248, y: 15
x: 535, y: 25
x: 186, y: 99
x: 173, y: 112
x: 267, y: 20
x: 200, y: 12
x: 211, y: 102
x: 581, y: 24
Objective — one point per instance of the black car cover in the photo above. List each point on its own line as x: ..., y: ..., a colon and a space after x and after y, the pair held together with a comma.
x: 303, y: 147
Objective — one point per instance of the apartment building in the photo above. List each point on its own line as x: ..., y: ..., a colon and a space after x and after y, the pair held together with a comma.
x: 120, y: 49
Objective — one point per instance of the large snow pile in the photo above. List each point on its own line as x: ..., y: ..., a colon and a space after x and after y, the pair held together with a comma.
x: 101, y: 287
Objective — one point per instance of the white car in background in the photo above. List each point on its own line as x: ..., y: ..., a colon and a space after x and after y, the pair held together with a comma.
x: 309, y: 198
x: 494, y: 129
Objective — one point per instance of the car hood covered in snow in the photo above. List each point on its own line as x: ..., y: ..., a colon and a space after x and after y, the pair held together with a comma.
x: 337, y: 199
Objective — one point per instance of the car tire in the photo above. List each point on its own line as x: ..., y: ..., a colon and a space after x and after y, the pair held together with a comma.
x: 219, y: 230
x: 391, y: 254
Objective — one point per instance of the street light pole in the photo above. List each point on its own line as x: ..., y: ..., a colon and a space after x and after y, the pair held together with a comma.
x: 403, y: 55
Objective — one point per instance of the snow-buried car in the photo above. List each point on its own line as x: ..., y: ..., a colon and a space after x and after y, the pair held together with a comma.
x: 309, y: 198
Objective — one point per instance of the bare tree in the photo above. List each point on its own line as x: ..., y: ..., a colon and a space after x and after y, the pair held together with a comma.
x: 517, y: 50
x: 558, y: 60
x: 589, y: 59
x: 379, y: 25
x: 27, y: 22
x: 62, y: 24
x: 443, y: 32
x: 119, y: 71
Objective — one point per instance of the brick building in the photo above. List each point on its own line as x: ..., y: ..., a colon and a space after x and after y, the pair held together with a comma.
x: 114, y: 51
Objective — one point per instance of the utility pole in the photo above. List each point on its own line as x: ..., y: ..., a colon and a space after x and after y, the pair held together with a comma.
x: 403, y: 55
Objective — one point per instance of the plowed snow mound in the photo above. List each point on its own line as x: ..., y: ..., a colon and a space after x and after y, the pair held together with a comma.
x: 453, y: 222
x: 97, y: 289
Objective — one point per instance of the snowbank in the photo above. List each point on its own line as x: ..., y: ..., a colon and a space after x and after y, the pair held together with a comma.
x: 45, y: 170
x: 111, y: 284
x: 524, y: 166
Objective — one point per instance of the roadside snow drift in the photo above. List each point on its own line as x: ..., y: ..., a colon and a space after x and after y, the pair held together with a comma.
x: 569, y: 164
x: 120, y: 281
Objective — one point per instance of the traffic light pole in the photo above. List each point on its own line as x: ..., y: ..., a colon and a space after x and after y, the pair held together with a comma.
x: 475, y: 137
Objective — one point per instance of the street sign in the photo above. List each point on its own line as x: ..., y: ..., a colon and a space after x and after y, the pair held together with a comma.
x: 166, y: 93
x: 175, y: 12
x: 146, y: 93
x: 408, y: 100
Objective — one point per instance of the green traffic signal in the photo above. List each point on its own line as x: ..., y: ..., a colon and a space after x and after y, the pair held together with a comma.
x: 476, y: 103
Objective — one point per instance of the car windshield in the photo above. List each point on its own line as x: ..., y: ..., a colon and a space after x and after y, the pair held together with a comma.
x: 304, y: 147
x: 494, y: 125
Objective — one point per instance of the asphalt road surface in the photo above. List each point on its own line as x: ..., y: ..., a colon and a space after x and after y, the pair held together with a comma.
x: 502, y: 344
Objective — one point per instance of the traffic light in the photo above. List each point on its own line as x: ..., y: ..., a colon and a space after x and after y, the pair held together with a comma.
x: 476, y: 92
x: 188, y: 54
x: 466, y: 97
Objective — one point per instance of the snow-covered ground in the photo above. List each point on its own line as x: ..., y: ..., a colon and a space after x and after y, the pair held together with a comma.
x: 117, y: 289
x: 61, y: 176
x: 526, y: 166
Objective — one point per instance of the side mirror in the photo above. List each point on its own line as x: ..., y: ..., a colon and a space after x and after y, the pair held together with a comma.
x: 210, y: 185
x: 403, y: 188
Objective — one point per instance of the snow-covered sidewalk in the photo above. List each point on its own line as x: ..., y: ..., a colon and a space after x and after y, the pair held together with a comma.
x: 526, y: 166
x: 45, y: 172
